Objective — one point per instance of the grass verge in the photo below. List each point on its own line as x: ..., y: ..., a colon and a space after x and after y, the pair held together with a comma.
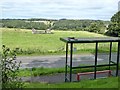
x: 111, y: 82
x: 48, y: 71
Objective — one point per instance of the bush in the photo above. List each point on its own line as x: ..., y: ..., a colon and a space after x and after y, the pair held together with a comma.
x: 10, y: 68
x: 114, y: 26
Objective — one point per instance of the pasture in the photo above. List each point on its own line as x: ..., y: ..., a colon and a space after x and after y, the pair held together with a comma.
x: 46, y: 44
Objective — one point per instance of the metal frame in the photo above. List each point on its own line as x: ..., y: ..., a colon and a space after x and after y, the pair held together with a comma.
x: 71, y: 41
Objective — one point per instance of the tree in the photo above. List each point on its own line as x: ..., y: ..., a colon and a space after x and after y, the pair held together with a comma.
x: 94, y: 28
x: 114, y: 26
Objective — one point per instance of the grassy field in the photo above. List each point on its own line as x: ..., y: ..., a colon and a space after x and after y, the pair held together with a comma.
x: 111, y: 82
x: 44, y: 44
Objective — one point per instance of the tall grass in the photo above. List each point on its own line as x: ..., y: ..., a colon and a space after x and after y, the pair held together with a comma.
x: 42, y: 44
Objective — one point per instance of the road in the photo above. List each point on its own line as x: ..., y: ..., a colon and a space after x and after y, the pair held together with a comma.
x: 59, y: 60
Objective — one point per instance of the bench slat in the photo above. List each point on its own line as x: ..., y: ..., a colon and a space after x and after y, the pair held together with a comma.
x: 93, y: 72
x: 98, y: 72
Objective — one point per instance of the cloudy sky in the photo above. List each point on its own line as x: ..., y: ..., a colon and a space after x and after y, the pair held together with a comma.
x: 57, y: 9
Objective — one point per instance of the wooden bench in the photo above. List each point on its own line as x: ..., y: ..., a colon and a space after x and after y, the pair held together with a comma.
x: 98, y: 72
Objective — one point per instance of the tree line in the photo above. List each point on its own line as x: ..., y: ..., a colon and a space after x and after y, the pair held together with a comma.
x: 23, y: 24
x: 97, y: 26
x: 111, y: 28
x: 62, y: 24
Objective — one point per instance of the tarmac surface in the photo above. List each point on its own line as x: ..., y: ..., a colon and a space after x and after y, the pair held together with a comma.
x: 59, y: 61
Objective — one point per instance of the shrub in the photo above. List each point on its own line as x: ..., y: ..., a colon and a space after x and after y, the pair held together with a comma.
x: 10, y: 68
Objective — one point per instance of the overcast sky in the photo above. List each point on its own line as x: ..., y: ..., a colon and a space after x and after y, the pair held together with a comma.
x: 57, y: 9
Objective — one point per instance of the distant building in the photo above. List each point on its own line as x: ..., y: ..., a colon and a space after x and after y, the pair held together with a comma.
x: 48, y: 31
x: 33, y: 31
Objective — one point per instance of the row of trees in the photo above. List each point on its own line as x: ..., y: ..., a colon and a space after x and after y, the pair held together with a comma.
x: 62, y: 24
x: 24, y: 24
x: 96, y: 26
x: 40, y: 19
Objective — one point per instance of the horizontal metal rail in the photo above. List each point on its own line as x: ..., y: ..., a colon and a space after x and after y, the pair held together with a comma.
x: 93, y: 66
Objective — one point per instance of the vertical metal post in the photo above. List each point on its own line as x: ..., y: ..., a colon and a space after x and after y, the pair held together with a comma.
x: 71, y: 51
x: 110, y: 54
x: 66, y: 62
x: 118, y: 52
x: 96, y: 50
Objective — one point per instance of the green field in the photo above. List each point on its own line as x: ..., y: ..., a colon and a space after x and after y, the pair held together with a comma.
x: 44, y: 44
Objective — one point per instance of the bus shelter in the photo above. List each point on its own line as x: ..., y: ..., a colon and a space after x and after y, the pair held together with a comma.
x: 72, y: 40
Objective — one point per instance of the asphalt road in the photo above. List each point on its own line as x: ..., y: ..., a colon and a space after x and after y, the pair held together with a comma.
x: 59, y: 61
